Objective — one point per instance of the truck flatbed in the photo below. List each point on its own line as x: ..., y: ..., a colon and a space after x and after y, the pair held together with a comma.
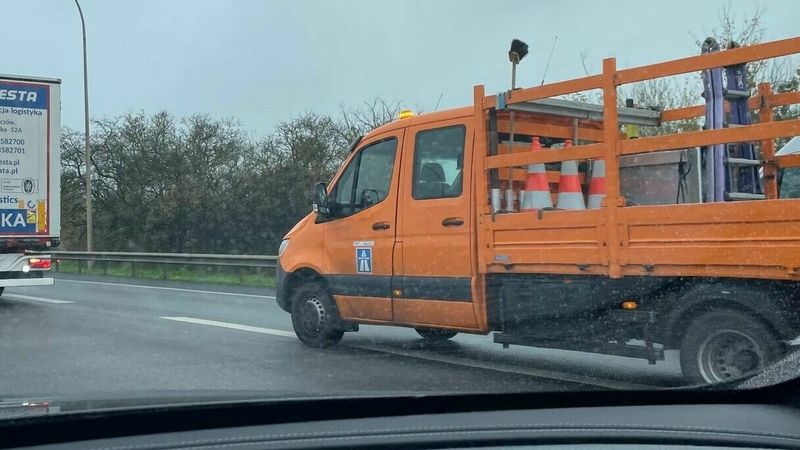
x: 750, y: 239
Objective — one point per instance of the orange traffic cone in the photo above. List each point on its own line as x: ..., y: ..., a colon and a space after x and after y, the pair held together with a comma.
x: 537, y: 189
x: 570, y: 195
x: 597, y: 187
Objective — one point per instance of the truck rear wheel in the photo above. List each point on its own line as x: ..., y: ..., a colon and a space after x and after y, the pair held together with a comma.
x: 431, y: 334
x: 726, y: 345
x: 314, y: 316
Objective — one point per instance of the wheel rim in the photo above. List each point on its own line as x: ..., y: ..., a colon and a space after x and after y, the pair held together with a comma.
x: 312, y: 315
x: 729, y: 354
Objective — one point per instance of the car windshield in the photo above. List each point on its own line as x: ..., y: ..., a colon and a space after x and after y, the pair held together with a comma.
x: 279, y: 199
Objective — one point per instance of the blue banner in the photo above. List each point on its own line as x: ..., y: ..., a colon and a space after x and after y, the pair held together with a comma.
x: 16, y: 221
x: 23, y: 96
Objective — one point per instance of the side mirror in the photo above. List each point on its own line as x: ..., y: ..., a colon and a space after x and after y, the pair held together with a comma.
x: 321, y: 199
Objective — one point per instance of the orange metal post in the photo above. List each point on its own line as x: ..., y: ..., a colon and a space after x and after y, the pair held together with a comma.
x: 481, y: 175
x: 613, y: 199
x: 768, y: 145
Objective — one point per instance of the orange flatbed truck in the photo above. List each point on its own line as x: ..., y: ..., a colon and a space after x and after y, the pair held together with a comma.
x: 405, y: 233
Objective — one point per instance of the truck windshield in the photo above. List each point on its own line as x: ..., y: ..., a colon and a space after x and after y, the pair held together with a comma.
x: 297, y: 198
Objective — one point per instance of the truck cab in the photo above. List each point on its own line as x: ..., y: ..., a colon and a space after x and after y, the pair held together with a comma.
x: 389, y: 240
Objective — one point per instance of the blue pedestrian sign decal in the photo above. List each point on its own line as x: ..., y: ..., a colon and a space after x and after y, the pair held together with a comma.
x: 363, y: 260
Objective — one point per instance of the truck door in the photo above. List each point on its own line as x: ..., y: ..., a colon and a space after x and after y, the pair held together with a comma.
x: 359, y: 236
x: 435, y: 272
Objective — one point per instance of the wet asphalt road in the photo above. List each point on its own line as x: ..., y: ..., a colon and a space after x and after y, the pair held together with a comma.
x: 90, y: 335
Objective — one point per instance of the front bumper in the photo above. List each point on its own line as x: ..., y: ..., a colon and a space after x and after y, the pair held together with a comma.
x: 281, y: 295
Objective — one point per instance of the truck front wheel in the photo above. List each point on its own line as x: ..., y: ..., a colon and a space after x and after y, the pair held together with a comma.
x: 726, y: 345
x: 314, y: 317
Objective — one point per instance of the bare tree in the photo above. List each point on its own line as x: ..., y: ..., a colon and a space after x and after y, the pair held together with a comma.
x: 734, y: 30
x: 685, y: 90
x: 358, y: 120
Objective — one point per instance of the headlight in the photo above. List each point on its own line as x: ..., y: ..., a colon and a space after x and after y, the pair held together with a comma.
x: 282, y: 248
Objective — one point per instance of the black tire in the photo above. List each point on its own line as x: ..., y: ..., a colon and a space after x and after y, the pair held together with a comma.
x: 2, y: 289
x: 314, y: 316
x: 725, y: 345
x: 431, y: 334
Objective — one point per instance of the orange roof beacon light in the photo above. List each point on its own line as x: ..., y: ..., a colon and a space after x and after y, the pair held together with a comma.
x: 405, y: 114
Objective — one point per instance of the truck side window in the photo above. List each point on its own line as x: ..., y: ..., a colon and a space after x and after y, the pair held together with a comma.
x: 372, y: 171
x: 342, y: 193
x: 790, y: 183
x: 438, y: 163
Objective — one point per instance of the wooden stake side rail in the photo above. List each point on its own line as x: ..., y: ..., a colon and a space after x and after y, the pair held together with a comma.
x: 788, y: 160
x: 556, y: 131
x: 741, y: 55
x: 506, y: 159
x: 549, y: 90
x: 754, y: 103
x: 749, y: 133
x: 752, y: 239
x: 737, y: 239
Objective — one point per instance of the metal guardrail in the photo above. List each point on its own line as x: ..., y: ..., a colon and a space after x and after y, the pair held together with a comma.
x: 164, y: 260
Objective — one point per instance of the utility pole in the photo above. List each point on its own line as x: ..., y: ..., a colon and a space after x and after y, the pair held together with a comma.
x: 86, y: 131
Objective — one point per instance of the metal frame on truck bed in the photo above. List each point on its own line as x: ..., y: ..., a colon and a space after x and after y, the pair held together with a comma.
x: 756, y: 239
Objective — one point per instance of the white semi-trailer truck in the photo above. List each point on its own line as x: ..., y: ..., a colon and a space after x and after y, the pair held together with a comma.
x: 30, y: 182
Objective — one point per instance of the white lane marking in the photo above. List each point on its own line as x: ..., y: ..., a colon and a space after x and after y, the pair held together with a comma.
x: 447, y: 359
x: 234, y: 326
x: 36, y: 299
x: 196, y: 291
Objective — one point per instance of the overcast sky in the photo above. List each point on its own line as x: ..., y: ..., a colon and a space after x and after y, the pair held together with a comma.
x: 265, y: 61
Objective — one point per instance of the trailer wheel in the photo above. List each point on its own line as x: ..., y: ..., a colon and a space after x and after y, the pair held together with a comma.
x: 431, y: 334
x: 726, y: 345
x: 314, y: 317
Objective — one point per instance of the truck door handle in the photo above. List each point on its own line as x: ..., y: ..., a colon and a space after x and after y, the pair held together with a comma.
x: 453, y: 222
x: 380, y: 226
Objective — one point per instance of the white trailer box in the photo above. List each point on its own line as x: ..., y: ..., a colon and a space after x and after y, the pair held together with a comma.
x: 30, y: 176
